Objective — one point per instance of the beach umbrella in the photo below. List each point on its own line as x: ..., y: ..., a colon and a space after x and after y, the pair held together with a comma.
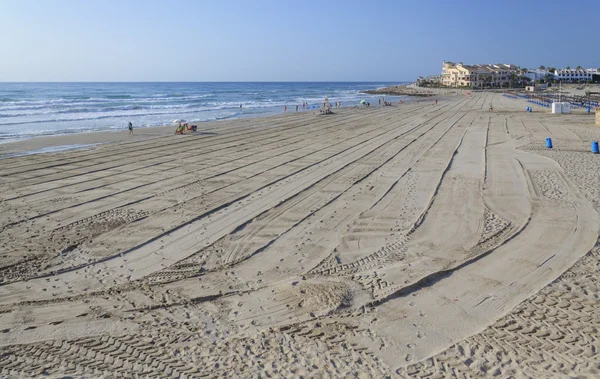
x: 179, y: 121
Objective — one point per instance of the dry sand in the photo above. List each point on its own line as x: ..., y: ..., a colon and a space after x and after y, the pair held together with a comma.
x: 413, y: 240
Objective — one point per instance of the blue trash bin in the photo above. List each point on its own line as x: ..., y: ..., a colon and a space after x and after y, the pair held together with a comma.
x: 549, y: 143
x: 595, y: 147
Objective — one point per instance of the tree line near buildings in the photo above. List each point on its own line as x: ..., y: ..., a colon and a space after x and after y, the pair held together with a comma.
x: 550, y: 78
x: 553, y: 69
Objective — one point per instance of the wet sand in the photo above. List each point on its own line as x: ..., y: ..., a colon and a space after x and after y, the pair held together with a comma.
x: 410, y: 240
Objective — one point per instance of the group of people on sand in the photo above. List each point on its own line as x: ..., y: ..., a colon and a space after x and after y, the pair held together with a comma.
x: 384, y: 103
x: 306, y: 106
x: 326, y: 110
x: 185, y: 127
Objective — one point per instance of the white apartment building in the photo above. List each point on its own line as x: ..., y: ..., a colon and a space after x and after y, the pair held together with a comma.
x: 571, y: 75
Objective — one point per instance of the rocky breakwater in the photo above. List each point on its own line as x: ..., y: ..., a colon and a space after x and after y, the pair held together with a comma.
x: 404, y: 90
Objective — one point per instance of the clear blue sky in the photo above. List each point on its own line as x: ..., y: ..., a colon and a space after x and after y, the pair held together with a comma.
x: 221, y: 40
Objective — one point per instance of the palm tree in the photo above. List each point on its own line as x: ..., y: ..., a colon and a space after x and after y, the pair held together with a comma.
x: 542, y: 67
x: 552, y: 69
x: 523, y: 70
x: 513, y: 80
x: 568, y: 68
x: 578, y: 68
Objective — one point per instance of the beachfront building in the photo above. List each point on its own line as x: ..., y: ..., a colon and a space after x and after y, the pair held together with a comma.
x: 577, y: 75
x: 456, y: 75
x: 496, y: 75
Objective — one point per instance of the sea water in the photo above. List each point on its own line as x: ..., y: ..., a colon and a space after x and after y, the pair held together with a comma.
x: 36, y: 109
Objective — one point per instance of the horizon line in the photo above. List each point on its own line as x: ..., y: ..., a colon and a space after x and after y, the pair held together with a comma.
x: 227, y: 81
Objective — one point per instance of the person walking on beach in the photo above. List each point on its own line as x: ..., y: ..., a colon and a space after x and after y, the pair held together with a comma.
x: 491, y: 107
x: 130, y: 127
x: 284, y: 108
x: 296, y: 107
x: 435, y: 101
x: 379, y: 100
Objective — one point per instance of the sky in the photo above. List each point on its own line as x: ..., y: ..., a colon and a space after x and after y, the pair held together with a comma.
x: 285, y: 40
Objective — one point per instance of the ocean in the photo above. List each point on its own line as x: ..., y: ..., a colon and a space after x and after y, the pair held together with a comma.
x: 36, y: 109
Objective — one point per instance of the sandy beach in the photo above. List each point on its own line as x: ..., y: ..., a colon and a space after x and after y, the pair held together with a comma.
x: 416, y: 240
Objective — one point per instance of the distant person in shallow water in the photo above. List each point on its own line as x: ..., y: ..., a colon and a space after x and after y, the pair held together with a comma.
x: 130, y: 128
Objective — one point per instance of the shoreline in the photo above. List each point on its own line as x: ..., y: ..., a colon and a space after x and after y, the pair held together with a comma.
x: 31, y: 110
x: 28, y: 145
x: 100, y: 137
x: 21, y: 147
